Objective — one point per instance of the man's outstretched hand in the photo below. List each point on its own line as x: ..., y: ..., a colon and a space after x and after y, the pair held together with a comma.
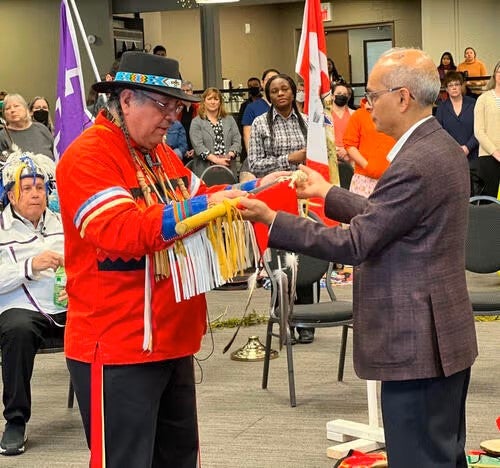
x: 256, y: 210
x: 314, y: 186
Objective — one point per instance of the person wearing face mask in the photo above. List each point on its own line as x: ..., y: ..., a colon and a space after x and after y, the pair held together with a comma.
x: 301, y: 96
x: 260, y: 106
x: 341, y: 114
x: 254, y: 93
x: 40, y: 112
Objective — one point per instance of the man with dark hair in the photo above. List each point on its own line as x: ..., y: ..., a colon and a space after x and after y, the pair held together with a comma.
x: 254, y: 93
x: 160, y: 50
x: 256, y: 108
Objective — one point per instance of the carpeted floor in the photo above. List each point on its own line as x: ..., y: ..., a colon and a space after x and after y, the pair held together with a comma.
x: 243, y: 426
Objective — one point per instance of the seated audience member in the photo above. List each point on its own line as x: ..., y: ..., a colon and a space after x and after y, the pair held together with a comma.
x: 367, y: 147
x: 341, y: 113
x: 176, y: 139
x: 301, y: 96
x: 456, y: 115
x: 160, y: 50
x: 472, y: 67
x: 278, y: 143
x: 214, y: 134
x: 40, y: 112
x: 256, y: 108
x: 32, y: 239
x: 185, y: 116
x: 22, y: 131
x: 446, y: 64
x: 278, y: 137
x: 487, y: 131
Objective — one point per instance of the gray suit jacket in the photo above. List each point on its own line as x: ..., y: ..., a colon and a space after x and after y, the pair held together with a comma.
x: 412, y: 315
x: 202, y: 138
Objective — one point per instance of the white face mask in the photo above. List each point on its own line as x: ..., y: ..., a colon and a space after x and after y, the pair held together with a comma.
x: 301, y: 96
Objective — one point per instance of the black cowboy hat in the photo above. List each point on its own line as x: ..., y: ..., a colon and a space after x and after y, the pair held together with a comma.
x: 148, y: 72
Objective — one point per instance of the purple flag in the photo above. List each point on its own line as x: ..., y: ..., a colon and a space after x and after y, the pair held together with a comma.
x: 71, y: 115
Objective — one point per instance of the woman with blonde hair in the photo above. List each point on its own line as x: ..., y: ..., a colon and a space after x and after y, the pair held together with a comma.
x: 21, y: 131
x: 214, y: 134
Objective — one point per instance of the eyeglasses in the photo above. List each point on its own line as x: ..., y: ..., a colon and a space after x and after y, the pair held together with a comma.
x: 371, y: 95
x: 165, y: 108
x: 454, y: 84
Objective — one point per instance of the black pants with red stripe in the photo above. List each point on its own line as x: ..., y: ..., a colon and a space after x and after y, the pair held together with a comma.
x: 150, y: 415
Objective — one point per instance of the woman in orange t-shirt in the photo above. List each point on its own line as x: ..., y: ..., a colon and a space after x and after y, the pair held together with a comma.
x: 341, y: 113
x: 368, y: 148
x: 473, y: 67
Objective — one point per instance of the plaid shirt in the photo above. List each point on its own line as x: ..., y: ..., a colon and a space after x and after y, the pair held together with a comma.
x: 288, y: 137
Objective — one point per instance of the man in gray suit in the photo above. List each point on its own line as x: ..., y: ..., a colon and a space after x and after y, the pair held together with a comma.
x: 413, y: 323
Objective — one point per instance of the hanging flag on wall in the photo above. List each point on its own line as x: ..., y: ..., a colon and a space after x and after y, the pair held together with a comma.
x: 312, y: 66
x: 71, y: 115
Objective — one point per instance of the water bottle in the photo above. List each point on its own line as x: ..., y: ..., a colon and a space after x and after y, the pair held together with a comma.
x: 53, y: 201
x: 59, y: 285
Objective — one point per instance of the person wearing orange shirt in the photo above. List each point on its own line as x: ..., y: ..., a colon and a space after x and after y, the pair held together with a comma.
x: 473, y: 67
x: 341, y: 113
x: 368, y: 148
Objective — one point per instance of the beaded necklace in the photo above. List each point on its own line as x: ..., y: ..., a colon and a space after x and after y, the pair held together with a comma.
x: 152, y: 177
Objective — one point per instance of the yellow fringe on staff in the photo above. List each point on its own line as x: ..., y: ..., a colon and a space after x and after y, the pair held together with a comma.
x: 226, y: 233
x: 200, y: 219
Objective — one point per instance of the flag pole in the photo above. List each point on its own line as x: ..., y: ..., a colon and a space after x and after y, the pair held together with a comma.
x: 331, y: 149
x: 85, y: 40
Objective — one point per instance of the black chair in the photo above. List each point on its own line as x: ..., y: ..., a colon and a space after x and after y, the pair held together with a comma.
x: 482, y: 252
x: 54, y: 343
x: 189, y: 164
x: 331, y: 313
x: 218, y: 175
x: 346, y: 171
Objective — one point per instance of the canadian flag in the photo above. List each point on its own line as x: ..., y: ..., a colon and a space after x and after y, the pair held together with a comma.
x: 312, y: 66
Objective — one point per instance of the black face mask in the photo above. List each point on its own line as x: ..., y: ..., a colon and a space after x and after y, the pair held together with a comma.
x: 254, y: 91
x: 341, y: 100
x: 42, y: 116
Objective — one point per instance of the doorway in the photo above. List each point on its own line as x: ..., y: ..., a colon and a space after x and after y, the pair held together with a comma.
x: 352, y: 56
x: 337, y: 46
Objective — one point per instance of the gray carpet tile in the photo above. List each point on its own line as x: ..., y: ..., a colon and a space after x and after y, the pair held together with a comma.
x: 243, y: 426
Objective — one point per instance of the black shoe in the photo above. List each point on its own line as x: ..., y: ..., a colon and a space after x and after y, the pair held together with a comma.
x: 13, y: 439
x: 306, y: 335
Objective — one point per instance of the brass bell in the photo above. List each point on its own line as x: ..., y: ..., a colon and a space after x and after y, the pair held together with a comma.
x: 253, y: 350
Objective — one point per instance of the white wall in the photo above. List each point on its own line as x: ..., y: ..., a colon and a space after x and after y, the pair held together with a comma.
x: 453, y: 25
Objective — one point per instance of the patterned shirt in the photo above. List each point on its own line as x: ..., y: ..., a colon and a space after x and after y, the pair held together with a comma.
x: 219, y: 147
x: 288, y: 137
